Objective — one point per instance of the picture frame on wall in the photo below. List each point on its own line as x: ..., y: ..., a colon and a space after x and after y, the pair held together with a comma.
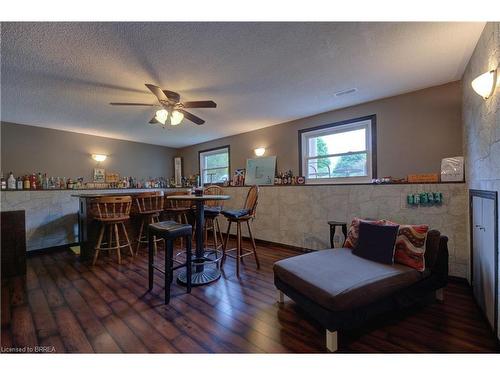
x: 178, y: 171
x: 99, y: 175
x: 239, y: 177
x: 261, y: 171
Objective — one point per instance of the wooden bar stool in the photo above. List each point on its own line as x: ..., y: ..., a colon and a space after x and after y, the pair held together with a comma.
x: 245, y: 215
x: 177, y: 210
x: 212, y: 211
x: 169, y: 231
x: 112, y: 213
x: 148, y: 207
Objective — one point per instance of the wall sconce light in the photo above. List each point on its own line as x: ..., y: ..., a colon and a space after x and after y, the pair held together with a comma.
x: 99, y: 157
x: 259, y: 151
x: 484, y: 85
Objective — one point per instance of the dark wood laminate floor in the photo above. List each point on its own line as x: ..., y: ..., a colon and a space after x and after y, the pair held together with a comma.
x: 71, y: 307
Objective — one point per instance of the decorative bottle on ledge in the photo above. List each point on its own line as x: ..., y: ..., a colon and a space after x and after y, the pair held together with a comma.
x: 338, y: 237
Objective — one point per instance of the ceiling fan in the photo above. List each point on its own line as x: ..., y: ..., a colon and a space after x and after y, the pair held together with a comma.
x: 172, y: 108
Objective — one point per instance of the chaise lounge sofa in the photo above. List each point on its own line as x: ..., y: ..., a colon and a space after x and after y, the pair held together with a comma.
x: 341, y: 290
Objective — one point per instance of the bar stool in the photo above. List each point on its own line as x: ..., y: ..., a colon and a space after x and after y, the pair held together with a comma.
x: 212, y: 212
x: 148, y: 207
x: 176, y: 210
x: 245, y: 215
x: 169, y: 231
x: 111, y: 213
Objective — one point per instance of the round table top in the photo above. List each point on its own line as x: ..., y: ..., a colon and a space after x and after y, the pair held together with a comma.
x: 200, y: 197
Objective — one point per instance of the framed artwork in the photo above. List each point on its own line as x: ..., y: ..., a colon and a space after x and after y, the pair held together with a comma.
x: 178, y: 170
x: 261, y: 171
x: 239, y: 177
x: 99, y: 175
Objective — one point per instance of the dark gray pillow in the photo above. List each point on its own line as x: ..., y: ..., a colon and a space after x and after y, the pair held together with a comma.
x: 376, y: 242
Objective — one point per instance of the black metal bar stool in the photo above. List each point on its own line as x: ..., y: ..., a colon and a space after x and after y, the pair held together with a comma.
x: 169, y: 231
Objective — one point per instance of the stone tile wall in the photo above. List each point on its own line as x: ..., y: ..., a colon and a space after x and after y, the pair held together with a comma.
x: 481, y: 119
x: 298, y: 215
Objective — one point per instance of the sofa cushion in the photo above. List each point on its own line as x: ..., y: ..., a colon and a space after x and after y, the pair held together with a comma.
x: 353, y: 233
x: 338, y: 280
x: 376, y: 242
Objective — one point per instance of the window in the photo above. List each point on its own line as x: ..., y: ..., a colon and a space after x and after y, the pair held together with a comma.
x: 343, y: 152
x: 214, y: 165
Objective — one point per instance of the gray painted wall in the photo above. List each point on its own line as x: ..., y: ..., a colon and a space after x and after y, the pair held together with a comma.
x: 482, y: 118
x: 415, y: 131
x: 27, y: 149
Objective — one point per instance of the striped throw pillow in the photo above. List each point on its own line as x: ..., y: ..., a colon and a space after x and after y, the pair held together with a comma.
x: 410, y: 246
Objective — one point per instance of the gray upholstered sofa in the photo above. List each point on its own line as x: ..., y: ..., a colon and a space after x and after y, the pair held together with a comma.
x: 341, y: 290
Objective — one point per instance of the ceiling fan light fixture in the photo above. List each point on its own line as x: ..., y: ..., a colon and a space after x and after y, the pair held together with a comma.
x: 176, y: 118
x: 162, y: 116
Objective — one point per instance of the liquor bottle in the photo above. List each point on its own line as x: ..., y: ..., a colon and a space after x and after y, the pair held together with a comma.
x: 11, y: 182
x: 33, y: 181
x: 4, y: 183
x: 39, y: 181
x: 19, y: 184
x: 45, y: 183
x: 26, y: 183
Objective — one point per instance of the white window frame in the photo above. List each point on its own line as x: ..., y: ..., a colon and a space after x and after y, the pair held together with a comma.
x: 306, y: 135
x: 204, y: 154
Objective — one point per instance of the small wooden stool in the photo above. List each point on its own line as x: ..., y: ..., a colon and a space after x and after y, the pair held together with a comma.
x: 112, y: 213
x: 148, y: 207
x: 244, y: 215
x: 169, y: 231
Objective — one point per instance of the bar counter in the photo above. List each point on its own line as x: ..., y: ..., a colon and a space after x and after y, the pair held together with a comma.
x: 88, y: 228
x: 52, y: 215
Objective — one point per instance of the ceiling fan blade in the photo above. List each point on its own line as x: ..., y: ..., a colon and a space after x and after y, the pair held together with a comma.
x: 149, y: 105
x: 153, y: 120
x: 172, y: 95
x: 200, y: 104
x: 191, y: 117
x: 157, y: 92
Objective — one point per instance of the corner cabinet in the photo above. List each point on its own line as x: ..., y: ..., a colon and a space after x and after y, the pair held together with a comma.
x: 484, y: 253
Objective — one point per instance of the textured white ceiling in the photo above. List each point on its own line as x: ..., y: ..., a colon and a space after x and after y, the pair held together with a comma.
x: 63, y: 75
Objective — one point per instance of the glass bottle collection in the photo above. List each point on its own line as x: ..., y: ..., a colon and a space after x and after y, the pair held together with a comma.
x: 39, y: 181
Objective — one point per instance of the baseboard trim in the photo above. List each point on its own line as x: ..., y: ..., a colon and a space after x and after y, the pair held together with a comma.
x: 271, y: 243
x: 459, y: 279
x: 52, y: 249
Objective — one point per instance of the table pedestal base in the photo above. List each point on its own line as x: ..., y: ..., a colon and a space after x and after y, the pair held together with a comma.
x: 204, y: 277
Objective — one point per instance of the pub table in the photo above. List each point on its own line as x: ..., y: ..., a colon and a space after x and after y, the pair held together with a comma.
x: 202, y: 274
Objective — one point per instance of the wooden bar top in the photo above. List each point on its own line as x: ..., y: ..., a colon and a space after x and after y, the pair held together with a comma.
x: 124, y: 193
